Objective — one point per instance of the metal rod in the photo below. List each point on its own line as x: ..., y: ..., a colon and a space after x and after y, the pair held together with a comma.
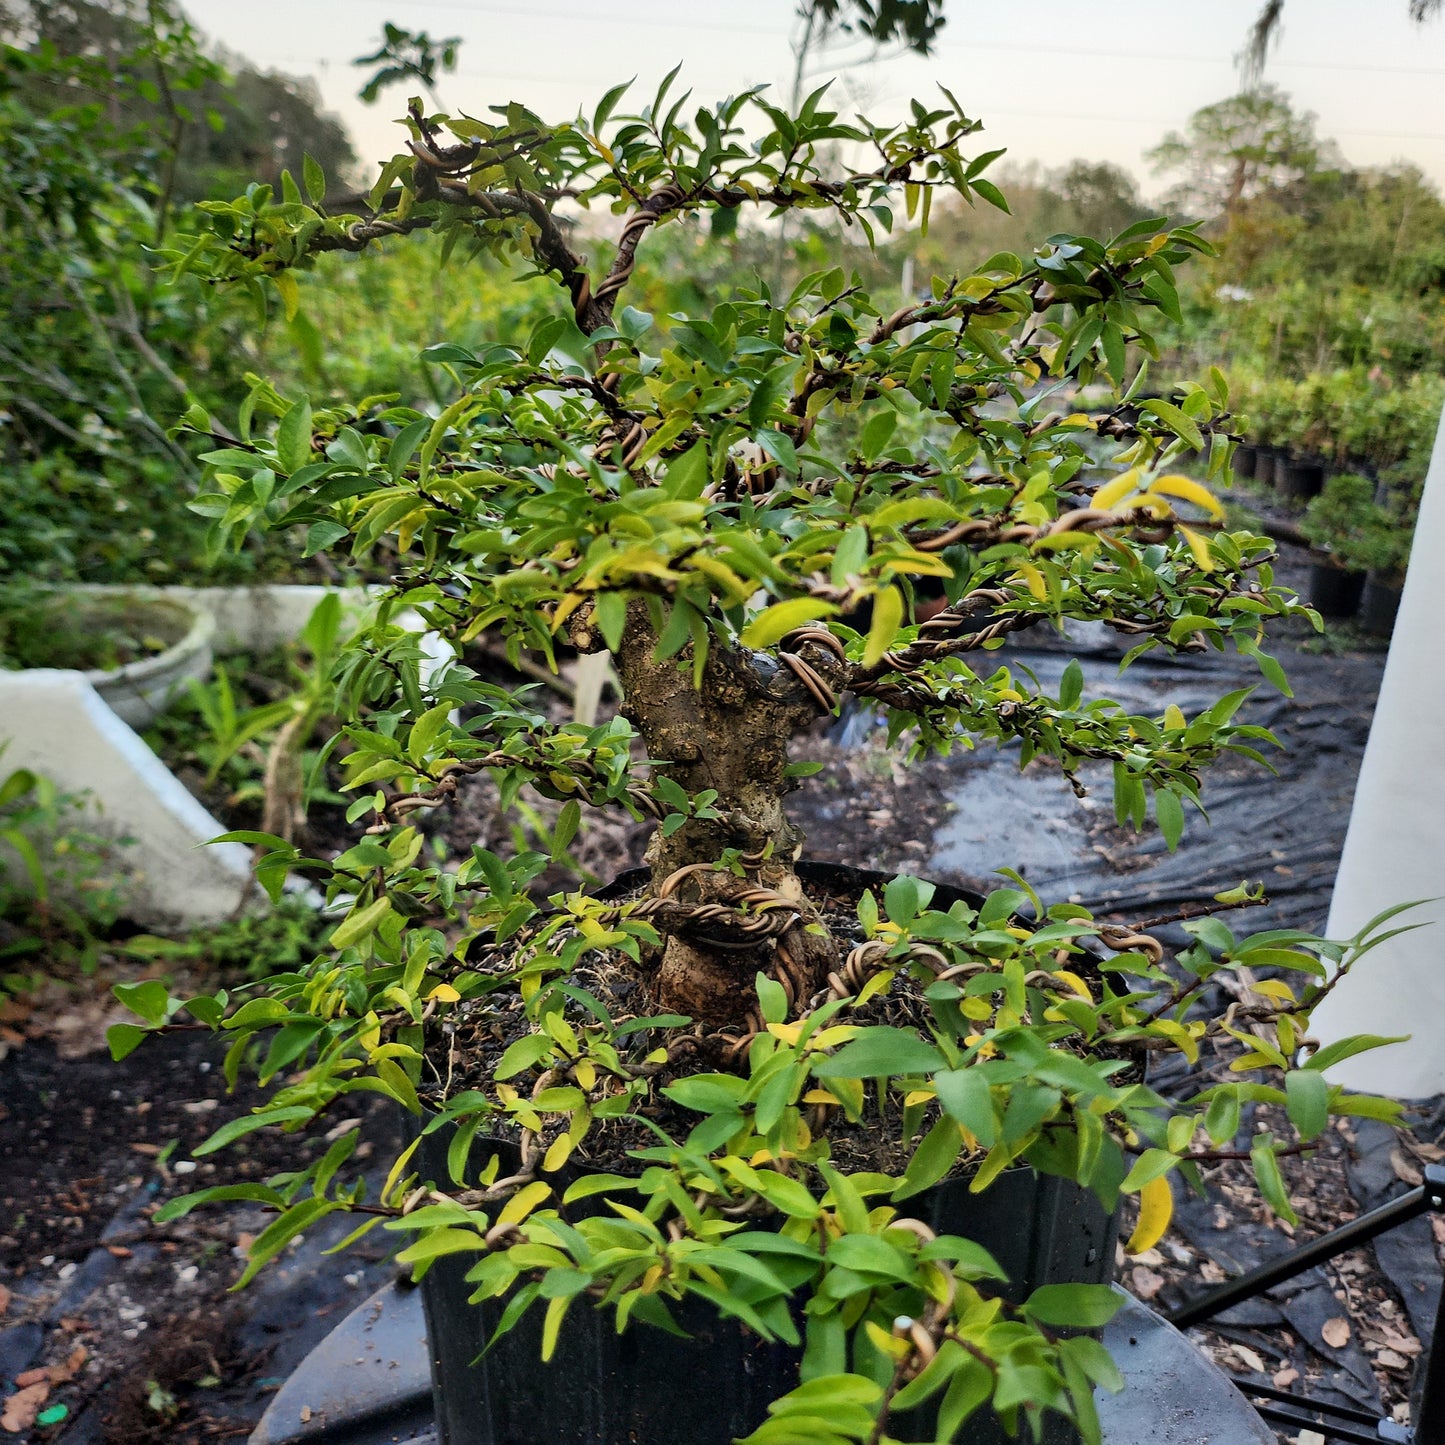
x: 1275, y: 1416
x: 1327, y: 1246
x: 1342, y: 1412
x: 1430, y: 1420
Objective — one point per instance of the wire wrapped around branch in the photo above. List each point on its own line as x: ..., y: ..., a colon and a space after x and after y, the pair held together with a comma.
x: 790, y: 655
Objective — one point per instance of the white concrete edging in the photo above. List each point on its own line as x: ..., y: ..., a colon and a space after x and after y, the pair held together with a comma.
x: 1395, y: 847
x: 53, y: 722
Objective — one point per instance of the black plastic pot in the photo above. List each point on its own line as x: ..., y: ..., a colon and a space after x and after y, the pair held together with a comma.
x: 651, y: 1387
x: 1334, y: 591
x: 1245, y: 457
x: 1380, y: 602
x: 1303, y: 478
x: 1264, y: 466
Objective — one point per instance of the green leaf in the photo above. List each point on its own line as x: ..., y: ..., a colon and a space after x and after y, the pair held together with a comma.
x: 1271, y: 1181
x: 277, y: 1235
x: 772, y: 999
x: 879, y: 1052
x: 124, y: 1039
x: 933, y: 1158
x: 218, y: 1194
x: 321, y: 536
x: 1308, y: 1095
x: 1076, y: 1306
x: 1169, y: 812
x: 887, y: 618
x: 248, y: 1124
x: 965, y: 1094
x: 1177, y: 421
x: 150, y: 999
x: 1343, y: 1049
x: 876, y: 434
x: 314, y: 177
x: 991, y: 194
x: 1071, y: 685
x: 293, y: 437
x: 360, y: 924
x: 611, y: 612
x: 566, y: 826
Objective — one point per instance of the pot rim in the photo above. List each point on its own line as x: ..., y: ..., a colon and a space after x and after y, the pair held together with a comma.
x: 196, y: 638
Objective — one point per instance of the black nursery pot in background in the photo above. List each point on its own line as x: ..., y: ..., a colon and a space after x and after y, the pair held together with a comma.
x: 1245, y: 458
x: 1301, y: 479
x: 652, y: 1387
x: 1264, y: 466
x: 1380, y: 602
x: 1335, y: 591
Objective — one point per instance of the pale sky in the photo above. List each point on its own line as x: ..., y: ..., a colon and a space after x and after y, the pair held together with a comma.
x: 1050, y: 80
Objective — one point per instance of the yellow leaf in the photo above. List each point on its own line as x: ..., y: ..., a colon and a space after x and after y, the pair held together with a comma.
x: 1112, y: 493
x: 818, y: 1096
x: 886, y: 1344
x: 585, y: 1073
x: 1074, y: 982
x: 1200, y: 548
x: 918, y: 1096
x: 290, y: 293
x: 879, y: 983
x: 788, y: 1033
x: 838, y: 1034
x: 1174, y: 485
x: 523, y: 1202
x: 565, y: 608
x: 1179, y: 1036
x: 558, y: 1153
x: 1156, y: 1208
x: 1274, y: 988
x: 1174, y: 719
x: 394, y: 1178
x: 443, y: 993
x: 1035, y: 579
x: 1155, y: 506
x: 887, y: 617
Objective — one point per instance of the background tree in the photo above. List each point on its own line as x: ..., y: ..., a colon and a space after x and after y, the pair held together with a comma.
x: 1236, y: 149
x: 111, y: 116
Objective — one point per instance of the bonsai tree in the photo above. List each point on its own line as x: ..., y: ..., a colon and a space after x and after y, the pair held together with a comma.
x: 1341, y: 520
x: 740, y: 507
x: 1357, y: 532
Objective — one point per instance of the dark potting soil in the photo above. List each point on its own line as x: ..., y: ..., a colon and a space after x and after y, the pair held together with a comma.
x: 467, y: 1053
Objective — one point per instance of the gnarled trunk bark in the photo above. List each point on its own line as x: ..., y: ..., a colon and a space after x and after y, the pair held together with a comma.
x: 730, y: 735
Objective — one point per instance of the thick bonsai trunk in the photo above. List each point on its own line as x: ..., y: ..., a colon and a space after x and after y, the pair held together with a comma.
x: 731, y: 736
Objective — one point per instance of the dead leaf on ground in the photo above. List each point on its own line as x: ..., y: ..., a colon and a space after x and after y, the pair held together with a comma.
x: 1336, y: 1332
x: 74, y: 1363
x: 22, y: 1407
x: 4, y: 1299
x: 1405, y: 1169
x: 1146, y: 1282
x: 150, y: 1150
x: 1391, y: 1361
x: 1284, y: 1378
x: 1251, y: 1360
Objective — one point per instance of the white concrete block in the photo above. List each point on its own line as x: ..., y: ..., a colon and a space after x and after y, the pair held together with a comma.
x: 53, y: 722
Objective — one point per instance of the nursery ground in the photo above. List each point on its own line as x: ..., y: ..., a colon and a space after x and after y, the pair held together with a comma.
x: 112, y: 1329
